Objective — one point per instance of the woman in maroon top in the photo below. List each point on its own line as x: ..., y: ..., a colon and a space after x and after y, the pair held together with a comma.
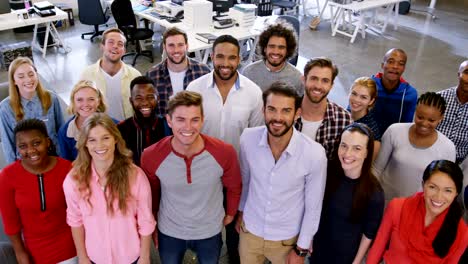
x: 32, y: 202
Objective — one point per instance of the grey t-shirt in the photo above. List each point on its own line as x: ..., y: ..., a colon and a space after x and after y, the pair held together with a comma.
x: 263, y: 77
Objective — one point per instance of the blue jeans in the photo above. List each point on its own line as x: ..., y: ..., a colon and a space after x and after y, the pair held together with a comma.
x: 172, y: 250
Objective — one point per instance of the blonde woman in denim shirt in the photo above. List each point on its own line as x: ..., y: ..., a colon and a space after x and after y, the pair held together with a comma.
x: 27, y: 99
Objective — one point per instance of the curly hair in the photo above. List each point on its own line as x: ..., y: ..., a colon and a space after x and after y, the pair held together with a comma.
x: 282, y: 29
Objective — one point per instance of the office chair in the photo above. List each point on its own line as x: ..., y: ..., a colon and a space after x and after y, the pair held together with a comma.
x: 288, y: 7
x: 296, y: 25
x: 90, y: 13
x: 125, y: 18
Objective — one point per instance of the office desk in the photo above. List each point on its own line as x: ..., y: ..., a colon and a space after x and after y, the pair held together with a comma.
x: 202, y: 49
x: 341, y: 15
x: 12, y: 20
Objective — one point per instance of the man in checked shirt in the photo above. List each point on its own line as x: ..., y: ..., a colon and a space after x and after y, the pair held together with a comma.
x: 455, y: 122
x: 174, y: 73
x: 321, y: 119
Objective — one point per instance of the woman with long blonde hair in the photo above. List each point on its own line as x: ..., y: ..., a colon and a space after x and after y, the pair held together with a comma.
x: 27, y: 99
x: 108, y: 198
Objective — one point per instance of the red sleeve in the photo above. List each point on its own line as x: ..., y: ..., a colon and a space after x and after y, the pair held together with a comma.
x: 151, y: 159
x: 226, y: 156
x: 391, y: 217
x: 460, y: 244
x: 10, y: 213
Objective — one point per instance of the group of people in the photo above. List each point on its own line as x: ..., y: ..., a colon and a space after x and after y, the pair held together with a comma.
x: 176, y: 156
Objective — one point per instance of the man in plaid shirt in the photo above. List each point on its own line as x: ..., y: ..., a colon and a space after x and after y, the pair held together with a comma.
x: 321, y: 119
x: 455, y: 122
x: 174, y: 73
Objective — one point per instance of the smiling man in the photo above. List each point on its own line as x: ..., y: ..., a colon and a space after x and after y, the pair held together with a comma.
x: 111, y: 75
x: 145, y: 127
x: 232, y: 103
x: 396, y: 100
x: 174, y: 73
x: 321, y: 119
x: 276, y: 44
x: 283, y: 174
x: 187, y: 173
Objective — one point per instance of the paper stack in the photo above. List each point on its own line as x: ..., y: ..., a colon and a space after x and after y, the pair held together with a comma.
x: 244, y: 14
x: 198, y: 15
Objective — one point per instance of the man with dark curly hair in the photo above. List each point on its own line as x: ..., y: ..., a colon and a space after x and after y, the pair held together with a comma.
x: 276, y: 44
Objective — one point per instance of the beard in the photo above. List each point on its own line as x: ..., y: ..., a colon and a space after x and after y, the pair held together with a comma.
x: 182, y: 59
x: 231, y: 75
x: 287, y: 128
x: 312, y: 99
x: 276, y: 64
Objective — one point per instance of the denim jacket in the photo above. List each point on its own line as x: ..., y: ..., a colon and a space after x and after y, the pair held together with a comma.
x: 32, y: 109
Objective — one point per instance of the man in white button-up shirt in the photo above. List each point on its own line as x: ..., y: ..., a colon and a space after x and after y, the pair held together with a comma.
x: 231, y: 103
x: 283, y: 174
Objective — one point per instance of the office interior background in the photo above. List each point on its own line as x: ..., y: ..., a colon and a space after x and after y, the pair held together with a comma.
x: 436, y: 41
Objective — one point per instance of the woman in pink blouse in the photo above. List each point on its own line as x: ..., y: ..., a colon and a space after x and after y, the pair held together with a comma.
x: 108, y: 198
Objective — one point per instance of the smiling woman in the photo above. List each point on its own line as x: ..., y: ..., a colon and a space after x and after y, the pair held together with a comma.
x: 85, y: 99
x: 32, y: 202
x: 108, y: 197
x: 407, y: 148
x: 354, y: 201
x: 27, y: 99
x: 427, y: 227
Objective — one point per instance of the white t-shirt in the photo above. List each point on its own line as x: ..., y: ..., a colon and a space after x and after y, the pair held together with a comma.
x: 177, y: 80
x: 113, y: 95
x: 309, y: 128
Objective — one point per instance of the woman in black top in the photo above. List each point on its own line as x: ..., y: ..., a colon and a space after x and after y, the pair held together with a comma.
x: 354, y: 201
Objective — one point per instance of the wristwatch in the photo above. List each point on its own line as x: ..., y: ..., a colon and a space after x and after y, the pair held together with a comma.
x: 301, y: 252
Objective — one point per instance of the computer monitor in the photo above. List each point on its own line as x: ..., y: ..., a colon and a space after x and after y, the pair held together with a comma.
x: 222, y: 6
x: 5, y: 7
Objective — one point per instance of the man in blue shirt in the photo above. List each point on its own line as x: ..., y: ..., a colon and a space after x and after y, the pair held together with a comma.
x: 396, y: 98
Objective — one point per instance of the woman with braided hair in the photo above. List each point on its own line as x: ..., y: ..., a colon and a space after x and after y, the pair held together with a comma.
x: 407, y: 148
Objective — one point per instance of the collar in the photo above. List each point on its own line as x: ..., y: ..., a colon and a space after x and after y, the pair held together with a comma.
x: 124, y: 68
x: 138, y: 123
x: 380, y: 75
x: 72, y: 130
x: 280, y: 70
x: 212, y: 84
x: 292, y: 145
x: 35, y: 98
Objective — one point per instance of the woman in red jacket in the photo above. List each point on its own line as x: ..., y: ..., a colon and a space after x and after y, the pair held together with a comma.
x: 427, y: 227
x: 32, y: 202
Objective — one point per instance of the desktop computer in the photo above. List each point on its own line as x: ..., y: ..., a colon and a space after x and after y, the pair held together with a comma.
x: 222, y: 6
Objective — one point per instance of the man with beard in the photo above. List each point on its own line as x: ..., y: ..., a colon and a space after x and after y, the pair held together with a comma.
x: 111, y: 75
x: 396, y: 98
x: 283, y: 174
x: 175, y: 72
x: 277, y: 44
x: 232, y: 103
x: 144, y: 128
x: 454, y: 125
x: 321, y: 119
